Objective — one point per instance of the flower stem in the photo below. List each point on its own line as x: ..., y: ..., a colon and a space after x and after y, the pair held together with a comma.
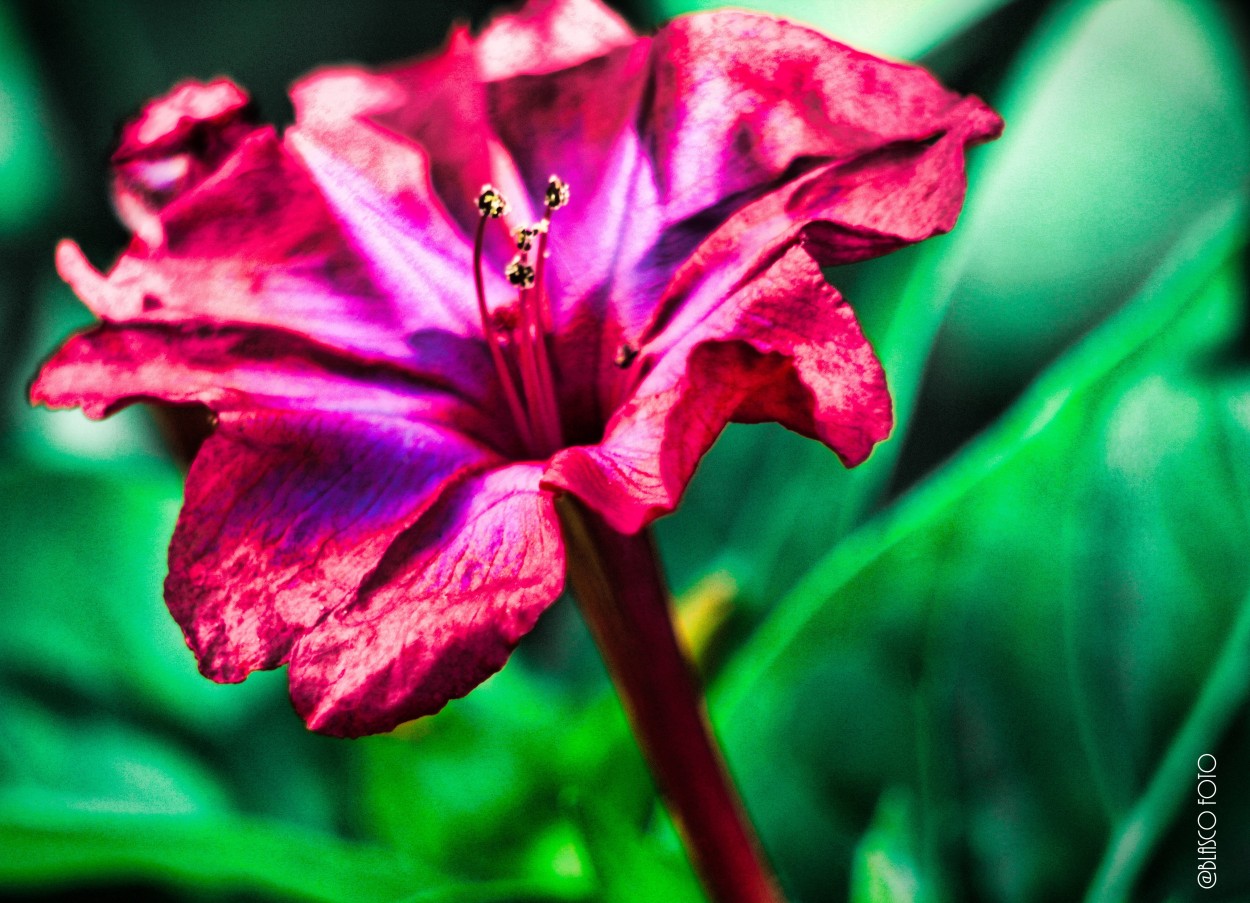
x: 617, y: 582
x: 492, y: 343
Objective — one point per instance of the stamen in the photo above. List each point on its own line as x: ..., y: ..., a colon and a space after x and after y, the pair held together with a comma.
x: 557, y: 193
x: 492, y: 205
x: 625, y: 356
x: 525, y: 237
x: 536, y: 379
x: 557, y: 196
x: 520, y: 273
x: 531, y: 399
x: 542, y: 408
x: 544, y: 303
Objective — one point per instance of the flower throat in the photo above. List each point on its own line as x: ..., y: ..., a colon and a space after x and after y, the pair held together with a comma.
x: 517, y: 336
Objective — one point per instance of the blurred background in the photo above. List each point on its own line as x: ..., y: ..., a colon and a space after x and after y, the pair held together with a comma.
x: 982, y: 667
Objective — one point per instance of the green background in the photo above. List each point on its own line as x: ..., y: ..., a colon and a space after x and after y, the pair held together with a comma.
x: 982, y: 667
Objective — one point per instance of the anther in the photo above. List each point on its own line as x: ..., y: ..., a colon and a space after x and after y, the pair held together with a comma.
x: 557, y: 193
x: 525, y: 236
x: 520, y: 273
x: 491, y: 203
x: 625, y: 355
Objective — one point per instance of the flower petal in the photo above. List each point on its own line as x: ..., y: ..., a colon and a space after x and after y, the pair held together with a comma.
x: 838, y: 213
x: 169, y: 122
x: 546, y: 35
x: 379, y: 186
x: 441, y: 108
x: 742, y: 99
x: 699, y: 130
x: 424, y: 126
x: 675, y: 134
x: 229, y: 368
x: 255, y: 244
x: 784, y: 347
x: 442, y: 613
x: 286, y: 516
x: 175, y: 142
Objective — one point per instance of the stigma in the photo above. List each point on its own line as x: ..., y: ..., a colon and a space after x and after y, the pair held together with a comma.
x: 518, y: 337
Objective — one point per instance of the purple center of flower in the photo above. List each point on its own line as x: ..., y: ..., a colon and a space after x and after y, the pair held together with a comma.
x: 517, y: 335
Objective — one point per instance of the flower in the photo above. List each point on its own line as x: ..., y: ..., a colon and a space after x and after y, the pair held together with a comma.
x: 406, y: 368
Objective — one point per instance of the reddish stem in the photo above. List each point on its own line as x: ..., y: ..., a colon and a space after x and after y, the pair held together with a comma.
x: 617, y: 581
x: 545, y: 321
x: 542, y: 325
x: 492, y: 343
x: 539, y: 390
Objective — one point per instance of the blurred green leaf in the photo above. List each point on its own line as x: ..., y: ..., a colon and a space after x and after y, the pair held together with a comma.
x: 476, y: 788
x: 49, y: 846
x: 1126, y: 120
x: 83, y: 603
x: 631, y: 864
x: 887, y: 863
x: 1082, y: 375
x: 517, y: 891
x: 514, y: 783
x: 958, y: 598
x: 54, y: 760
x: 27, y: 173
x: 1162, y: 503
x: 465, y: 797
x: 1224, y: 695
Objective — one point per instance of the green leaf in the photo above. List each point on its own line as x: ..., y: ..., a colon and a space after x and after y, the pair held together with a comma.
x: 944, y: 620
x: 517, y: 891
x: 1160, y: 508
x: 1152, y: 322
x: 476, y: 789
x: 1224, y: 696
x: 471, y: 788
x: 629, y: 863
x: 27, y: 171
x: 887, y: 862
x: 92, y: 763
x: 83, y: 605
x: 48, y: 846
x: 1126, y: 120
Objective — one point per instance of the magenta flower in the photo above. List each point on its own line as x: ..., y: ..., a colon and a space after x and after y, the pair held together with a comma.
x: 404, y: 382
